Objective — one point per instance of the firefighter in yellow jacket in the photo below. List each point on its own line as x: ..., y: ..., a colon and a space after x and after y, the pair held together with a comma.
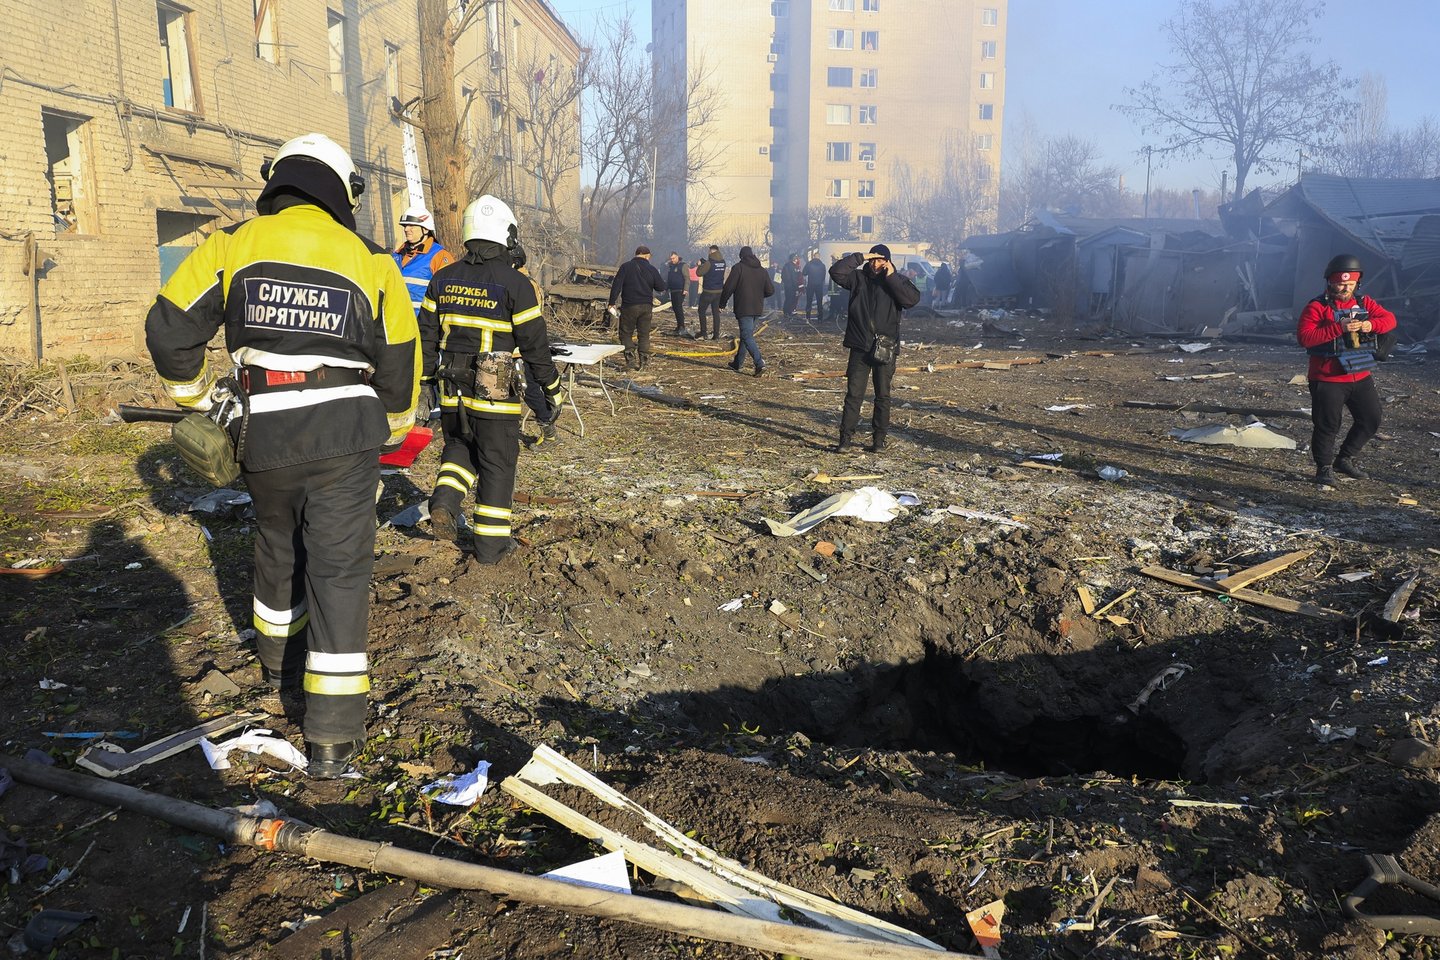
x: 476, y: 313
x: 323, y: 337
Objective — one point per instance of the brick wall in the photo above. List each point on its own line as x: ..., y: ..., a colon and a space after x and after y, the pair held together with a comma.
x: 142, y: 158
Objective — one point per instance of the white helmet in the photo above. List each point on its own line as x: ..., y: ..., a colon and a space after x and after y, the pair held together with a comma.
x: 317, y: 146
x: 418, y: 216
x: 489, y: 218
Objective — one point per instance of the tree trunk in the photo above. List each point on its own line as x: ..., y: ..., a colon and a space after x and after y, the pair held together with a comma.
x: 445, y: 149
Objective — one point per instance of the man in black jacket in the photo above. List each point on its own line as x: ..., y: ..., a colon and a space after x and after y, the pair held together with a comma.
x: 675, y: 281
x: 635, y: 285
x: 878, y: 292
x: 749, y: 283
x: 711, y: 272
x: 792, y: 275
x: 815, y: 281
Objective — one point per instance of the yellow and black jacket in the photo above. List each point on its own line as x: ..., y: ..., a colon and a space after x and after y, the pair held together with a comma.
x: 318, y: 320
x: 486, y: 307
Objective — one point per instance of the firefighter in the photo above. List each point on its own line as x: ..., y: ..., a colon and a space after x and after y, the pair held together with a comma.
x: 319, y: 327
x: 476, y: 313
x: 419, y: 257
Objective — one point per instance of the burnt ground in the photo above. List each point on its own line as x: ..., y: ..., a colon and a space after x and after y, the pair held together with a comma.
x: 936, y: 725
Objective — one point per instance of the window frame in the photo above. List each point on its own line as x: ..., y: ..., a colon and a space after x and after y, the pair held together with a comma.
x: 335, y: 21
x: 185, y: 17
x: 835, y: 37
x: 873, y: 73
x: 986, y: 111
x: 838, y: 151
x: 989, y: 49
x: 865, y: 189
x: 830, y: 113
x: 267, y: 31
x: 870, y: 40
x: 830, y: 73
x: 838, y: 188
x: 870, y: 110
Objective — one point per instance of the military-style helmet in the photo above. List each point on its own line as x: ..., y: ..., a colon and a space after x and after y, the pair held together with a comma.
x: 418, y: 216
x: 1346, y: 266
x: 490, y: 218
x: 319, y: 147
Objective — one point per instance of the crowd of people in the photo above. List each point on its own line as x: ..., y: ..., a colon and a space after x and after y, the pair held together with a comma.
x: 340, y: 347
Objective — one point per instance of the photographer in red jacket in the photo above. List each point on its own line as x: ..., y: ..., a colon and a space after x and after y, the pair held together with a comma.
x: 1339, y: 330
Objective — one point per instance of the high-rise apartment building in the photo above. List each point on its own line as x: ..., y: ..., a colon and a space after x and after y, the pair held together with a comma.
x: 829, y: 108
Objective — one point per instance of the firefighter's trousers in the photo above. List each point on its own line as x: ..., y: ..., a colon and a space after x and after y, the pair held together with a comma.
x: 482, y: 462
x: 314, y: 552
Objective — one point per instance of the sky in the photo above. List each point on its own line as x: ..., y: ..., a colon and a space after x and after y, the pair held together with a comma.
x: 1069, y: 62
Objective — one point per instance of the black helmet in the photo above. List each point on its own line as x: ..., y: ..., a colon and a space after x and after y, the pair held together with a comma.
x: 1344, y: 263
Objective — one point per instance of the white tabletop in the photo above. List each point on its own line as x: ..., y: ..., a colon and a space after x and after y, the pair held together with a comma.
x: 586, y: 353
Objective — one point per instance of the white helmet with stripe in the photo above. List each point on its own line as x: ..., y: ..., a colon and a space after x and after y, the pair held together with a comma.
x: 490, y: 218
x: 418, y: 216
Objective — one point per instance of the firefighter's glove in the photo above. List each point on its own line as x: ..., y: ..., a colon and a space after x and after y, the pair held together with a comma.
x: 429, y: 400
x: 554, y: 401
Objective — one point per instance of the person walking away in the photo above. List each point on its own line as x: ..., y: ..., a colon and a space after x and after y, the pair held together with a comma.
x: 792, y: 276
x: 749, y: 283
x: 419, y: 256
x: 711, y: 271
x: 1334, y: 329
x: 477, y: 313
x: 535, y: 395
x: 634, y: 288
x: 878, y: 292
x: 319, y: 326
x: 815, y: 282
x: 943, y: 279
x: 675, y: 281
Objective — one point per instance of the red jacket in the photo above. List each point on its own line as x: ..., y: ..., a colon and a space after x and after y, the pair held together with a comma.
x: 1318, y: 326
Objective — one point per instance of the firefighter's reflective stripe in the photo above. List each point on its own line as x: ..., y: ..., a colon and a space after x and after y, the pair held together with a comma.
x: 294, y: 399
x: 484, y: 520
x: 249, y: 356
x: 482, y: 323
x: 457, y: 477
x: 483, y: 406
x: 336, y: 674
x: 487, y: 340
x: 187, y: 393
x: 280, y: 623
x: 524, y: 315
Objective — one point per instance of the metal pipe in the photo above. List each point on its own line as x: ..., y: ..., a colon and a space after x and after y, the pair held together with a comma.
x: 32, y: 267
x: 287, y: 836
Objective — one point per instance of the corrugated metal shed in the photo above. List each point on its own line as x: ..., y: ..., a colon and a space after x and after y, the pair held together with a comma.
x: 1380, y: 214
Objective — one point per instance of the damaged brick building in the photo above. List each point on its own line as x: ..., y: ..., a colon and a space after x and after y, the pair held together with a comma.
x: 123, y: 151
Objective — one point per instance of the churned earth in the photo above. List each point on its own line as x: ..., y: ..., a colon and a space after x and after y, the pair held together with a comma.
x: 981, y: 699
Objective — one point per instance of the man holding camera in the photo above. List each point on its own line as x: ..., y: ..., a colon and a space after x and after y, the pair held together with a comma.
x: 878, y: 292
x: 1338, y: 331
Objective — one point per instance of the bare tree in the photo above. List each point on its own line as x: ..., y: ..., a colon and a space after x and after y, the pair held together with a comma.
x: 941, y: 208
x: 441, y: 120
x: 1370, y: 147
x: 630, y: 127
x: 550, y: 147
x: 828, y: 221
x: 1242, y: 80
x: 1061, y: 173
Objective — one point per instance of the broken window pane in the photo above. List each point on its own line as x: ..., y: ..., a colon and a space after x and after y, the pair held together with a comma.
x: 177, y: 62
x: 335, y: 24
x: 67, y: 168
x: 267, y: 40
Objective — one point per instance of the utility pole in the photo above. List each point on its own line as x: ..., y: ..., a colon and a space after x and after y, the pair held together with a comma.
x: 1148, y: 152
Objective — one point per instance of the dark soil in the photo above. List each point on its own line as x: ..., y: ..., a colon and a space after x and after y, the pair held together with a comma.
x: 936, y: 725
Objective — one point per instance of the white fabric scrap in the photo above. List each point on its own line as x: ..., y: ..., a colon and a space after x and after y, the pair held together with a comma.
x: 464, y: 790
x: 730, y: 606
x: 1325, y: 733
x: 866, y: 503
x: 1067, y: 407
x: 605, y: 872
x: 253, y: 741
x: 935, y: 516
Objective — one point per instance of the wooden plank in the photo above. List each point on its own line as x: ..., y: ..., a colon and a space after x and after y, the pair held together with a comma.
x: 1243, y: 578
x: 1087, y: 602
x: 1261, y: 412
x: 548, y: 766
x: 1249, y: 596
x: 1395, y: 606
x: 934, y: 368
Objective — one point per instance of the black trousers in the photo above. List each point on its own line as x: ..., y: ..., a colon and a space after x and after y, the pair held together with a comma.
x: 792, y: 297
x: 314, y: 552
x: 710, y: 301
x: 1328, y: 401
x: 815, y: 295
x: 857, y: 371
x: 635, y: 324
x: 677, y: 304
x: 483, y: 462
